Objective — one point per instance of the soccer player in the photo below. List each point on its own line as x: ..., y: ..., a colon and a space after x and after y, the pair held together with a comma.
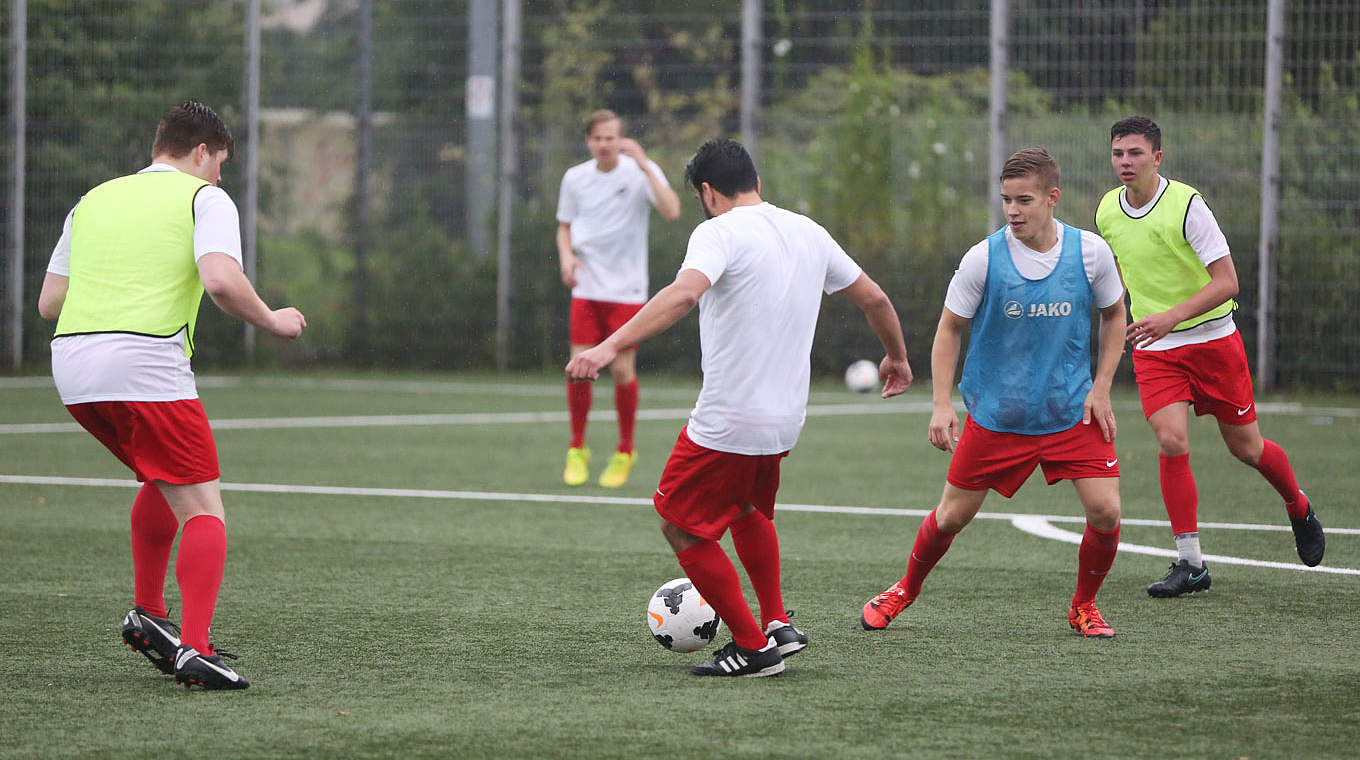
x: 124, y: 284
x: 757, y: 273
x: 602, y: 216
x: 1186, y: 349
x: 1028, y: 291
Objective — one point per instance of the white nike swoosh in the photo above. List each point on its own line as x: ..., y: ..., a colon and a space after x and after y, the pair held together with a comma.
x: 1111, y: 462
x: 659, y: 492
x: 227, y: 674
x: 1241, y: 412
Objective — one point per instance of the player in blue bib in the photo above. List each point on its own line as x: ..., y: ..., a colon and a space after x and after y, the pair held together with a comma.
x: 1028, y: 291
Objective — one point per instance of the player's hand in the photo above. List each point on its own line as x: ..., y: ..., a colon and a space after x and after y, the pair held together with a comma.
x: 1150, y: 329
x: 1098, y: 407
x: 944, y: 428
x: 286, y: 322
x: 896, y: 376
x: 587, y: 364
x: 569, y: 266
x: 630, y: 148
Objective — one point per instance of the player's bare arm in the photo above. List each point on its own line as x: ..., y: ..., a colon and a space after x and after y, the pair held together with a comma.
x: 667, y: 202
x: 53, y: 295
x: 894, y: 370
x: 944, y: 360
x: 232, y: 292
x: 566, y: 257
x: 1222, y: 285
x: 663, y: 310
x: 1097, y: 405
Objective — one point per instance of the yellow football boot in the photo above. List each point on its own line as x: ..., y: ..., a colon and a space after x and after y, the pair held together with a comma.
x: 576, y: 473
x: 616, y: 472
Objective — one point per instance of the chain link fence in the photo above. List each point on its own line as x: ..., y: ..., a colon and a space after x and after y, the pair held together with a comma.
x: 873, y: 121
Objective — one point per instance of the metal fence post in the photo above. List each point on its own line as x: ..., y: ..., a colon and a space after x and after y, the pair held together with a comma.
x: 18, y: 94
x: 996, y: 109
x: 1270, y: 197
x: 510, y: 46
x: 362, y: 157
x: 480, y: 107
x: 750, y: 72
x: 250, y: 217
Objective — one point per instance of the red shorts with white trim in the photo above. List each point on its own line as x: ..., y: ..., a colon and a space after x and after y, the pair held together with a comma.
x: 1003, y: 461
x: 702, y: 491
x: 1212, y: 376
x: 157, y: 440
x: 593, y: 321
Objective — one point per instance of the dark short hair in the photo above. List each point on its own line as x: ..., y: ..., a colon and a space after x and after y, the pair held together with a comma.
x: 600, y: 117
x: 1036, y: 161
x: 188, y: 125
x: 724, y: 165
x: 1138, y: 125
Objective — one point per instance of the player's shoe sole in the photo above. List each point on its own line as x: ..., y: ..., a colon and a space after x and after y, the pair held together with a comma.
x: 155, y: 637
x: 1181, y: 579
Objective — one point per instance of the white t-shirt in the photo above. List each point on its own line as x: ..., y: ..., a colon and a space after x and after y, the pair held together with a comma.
x: 1209, y: 244
x: 970, y: 279
x: 609, y: 213
x: 124, y: 367
x: 768, y: 268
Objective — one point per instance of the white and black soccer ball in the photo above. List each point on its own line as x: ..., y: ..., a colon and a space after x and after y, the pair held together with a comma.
x: 680, y: 619
x: 861, y: 376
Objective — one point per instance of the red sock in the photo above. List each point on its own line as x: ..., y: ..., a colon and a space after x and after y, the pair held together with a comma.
x: 626, y: 403
x: 931, y: 544
x: 757, y: 545
x: 1093, y: 561
x: 1179, y: 495
x: 153, y: 534
x: 202, y: 558
x: 712, y: 574
x: 1274, y: 465
x: 578, y: 401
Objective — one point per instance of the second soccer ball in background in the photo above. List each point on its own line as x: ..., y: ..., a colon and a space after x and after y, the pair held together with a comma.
x: 861, y: 376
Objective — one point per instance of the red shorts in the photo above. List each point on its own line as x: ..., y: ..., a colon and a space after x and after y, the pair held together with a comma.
x: 1003, y: 461
x: 593, y: 321
x: 158, y: 440
x: 702, y: 491
x: 1212, y: 376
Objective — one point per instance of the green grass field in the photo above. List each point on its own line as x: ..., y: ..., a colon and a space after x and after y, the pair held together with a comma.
x: 404, y: 624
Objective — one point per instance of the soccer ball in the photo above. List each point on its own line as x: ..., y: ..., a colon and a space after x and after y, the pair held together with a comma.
x: 680, y: 619
x: 861, y: 376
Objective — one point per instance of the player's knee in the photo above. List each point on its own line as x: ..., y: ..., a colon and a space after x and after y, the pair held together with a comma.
x: 951, y: 522
x: 1103, y: 517
x: 1173, y: 444
x: 1247, y: 453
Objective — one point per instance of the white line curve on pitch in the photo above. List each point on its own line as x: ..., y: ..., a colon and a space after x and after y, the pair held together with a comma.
x: 1038, y: 525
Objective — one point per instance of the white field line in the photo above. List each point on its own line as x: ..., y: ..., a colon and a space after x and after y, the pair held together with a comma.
x: 1039, y: 525
x: 509, y: 418
x: 547, y: 390
x: 468, y: 418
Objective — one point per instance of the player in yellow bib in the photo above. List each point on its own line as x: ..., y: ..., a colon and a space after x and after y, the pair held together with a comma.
x: 1187, y: 351
x: 124, y: 284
